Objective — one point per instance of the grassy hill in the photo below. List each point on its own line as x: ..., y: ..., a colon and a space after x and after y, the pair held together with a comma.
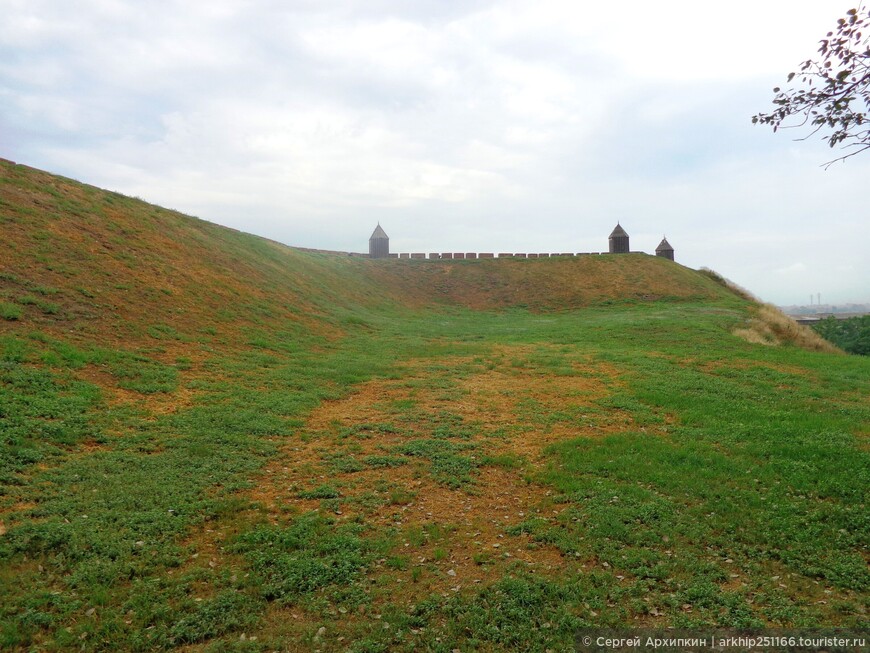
x: 214, y: 441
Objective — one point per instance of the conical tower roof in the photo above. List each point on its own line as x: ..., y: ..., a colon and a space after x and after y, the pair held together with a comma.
x: 664, y: 246
x: 618, y: 231
x: 379, y: 233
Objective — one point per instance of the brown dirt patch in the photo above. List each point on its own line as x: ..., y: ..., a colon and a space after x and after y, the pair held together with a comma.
x: 449, y: 538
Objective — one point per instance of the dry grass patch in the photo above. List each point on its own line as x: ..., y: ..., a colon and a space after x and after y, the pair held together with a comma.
x: 772, y: 327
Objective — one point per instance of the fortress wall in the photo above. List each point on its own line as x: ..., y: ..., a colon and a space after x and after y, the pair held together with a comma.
x: 435, y: 256
x: 448, y: 256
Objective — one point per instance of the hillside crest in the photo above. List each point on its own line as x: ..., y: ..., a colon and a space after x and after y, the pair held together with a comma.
x: 112, y: 265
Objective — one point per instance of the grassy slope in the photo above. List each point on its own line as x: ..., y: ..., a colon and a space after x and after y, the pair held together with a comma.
x: 207, y: 434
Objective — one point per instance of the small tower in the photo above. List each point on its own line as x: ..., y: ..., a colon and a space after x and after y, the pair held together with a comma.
x: 618, y: 241
x: 665, y: 250
x: 379, y: 243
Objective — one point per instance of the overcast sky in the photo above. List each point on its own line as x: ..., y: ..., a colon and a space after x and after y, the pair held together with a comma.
x: 458, y: 125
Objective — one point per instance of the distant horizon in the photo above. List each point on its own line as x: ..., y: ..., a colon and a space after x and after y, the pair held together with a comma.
x: 865, y: 306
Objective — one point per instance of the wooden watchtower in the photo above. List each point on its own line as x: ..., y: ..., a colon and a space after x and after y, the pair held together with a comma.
x: 618, y: 240
x: 665, y: 250
x: 379, y: 243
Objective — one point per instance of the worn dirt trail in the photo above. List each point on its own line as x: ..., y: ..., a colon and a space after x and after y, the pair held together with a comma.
x: 453, y: 534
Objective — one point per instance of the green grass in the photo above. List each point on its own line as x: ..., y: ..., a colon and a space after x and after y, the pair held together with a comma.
x: 699, y: 480
x: 308, y: 555
x: 10, y: 311
x: 447, y: 465
x: 758, y: 463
